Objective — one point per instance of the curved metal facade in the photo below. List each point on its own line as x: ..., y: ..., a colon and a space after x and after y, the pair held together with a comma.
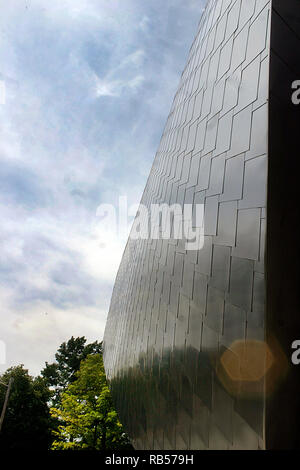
x: 186, y: 347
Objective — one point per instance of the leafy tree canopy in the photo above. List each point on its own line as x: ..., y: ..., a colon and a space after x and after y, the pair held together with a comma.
x: 86, y: 415
x: 28, y: 423
x: 68, y: 357
x: 68, y: 407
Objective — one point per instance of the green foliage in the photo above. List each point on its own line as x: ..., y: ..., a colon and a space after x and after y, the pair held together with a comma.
x: 86, y: 415
x: 61, y: 373
x: 69, y: 407
x: 28, y: 423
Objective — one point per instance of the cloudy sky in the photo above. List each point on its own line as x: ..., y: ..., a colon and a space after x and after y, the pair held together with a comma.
x: 88, y: 87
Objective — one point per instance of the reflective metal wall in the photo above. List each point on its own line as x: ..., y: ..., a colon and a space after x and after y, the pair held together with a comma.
x: 185, y: 350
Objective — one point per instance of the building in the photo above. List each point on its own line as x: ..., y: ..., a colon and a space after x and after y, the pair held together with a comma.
x: 198, y: 343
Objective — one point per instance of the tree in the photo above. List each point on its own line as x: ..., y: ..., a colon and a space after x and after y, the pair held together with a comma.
x: 61, y: 373
x: 87, y: 418
x: 27, y: 423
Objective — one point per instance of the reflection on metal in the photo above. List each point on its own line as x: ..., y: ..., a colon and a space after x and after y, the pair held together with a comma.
x: 188, y: 348
x: 246, y: 363
x: 243, y: 368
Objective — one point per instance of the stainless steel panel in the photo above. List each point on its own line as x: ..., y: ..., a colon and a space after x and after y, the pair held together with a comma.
x: 194, y: 172
x: 235, y: 322
x: 216, y: 176
x: 204, y: 173
x: 192, y: 137
x: 247, y: 10
x: 213, y: 67
x: 220, y: 267
x: 249, y: 84
x: 259, y: 265
x: 233, y: 19
x: 211, y: 215
x: 234, y: 179
x: 255, y: 191
x: 223, y: 411
x: 221, y: 30
x: 215, y: 309
x: 259, y: 135
x: 248, y: 234
x: 239, y: 47
x: 218, y: 97
x: 231, y: 91
x: 203, y: 265
x: 193, y: 339
x: 241, y: 282
x: 198, y: 102
x: 207, y: 99
x: 226, y: 233
x: 200, y: 136
x: 211, y: 135
x: 241, y: 131
x: 225, y: 58
x: 224, y: 133
x: 258, y: 35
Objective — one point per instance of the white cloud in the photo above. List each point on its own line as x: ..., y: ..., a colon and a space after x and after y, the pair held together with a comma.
x: 105, y: 88
x: 117, y: 87
x: 113, y: 85
x: 144, y: 24
x: 136, y: 58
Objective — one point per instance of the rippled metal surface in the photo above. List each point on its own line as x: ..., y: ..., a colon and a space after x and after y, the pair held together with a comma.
x: 185, y: 350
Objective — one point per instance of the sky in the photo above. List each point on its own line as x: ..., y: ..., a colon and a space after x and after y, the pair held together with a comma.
x: 88, y: 86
